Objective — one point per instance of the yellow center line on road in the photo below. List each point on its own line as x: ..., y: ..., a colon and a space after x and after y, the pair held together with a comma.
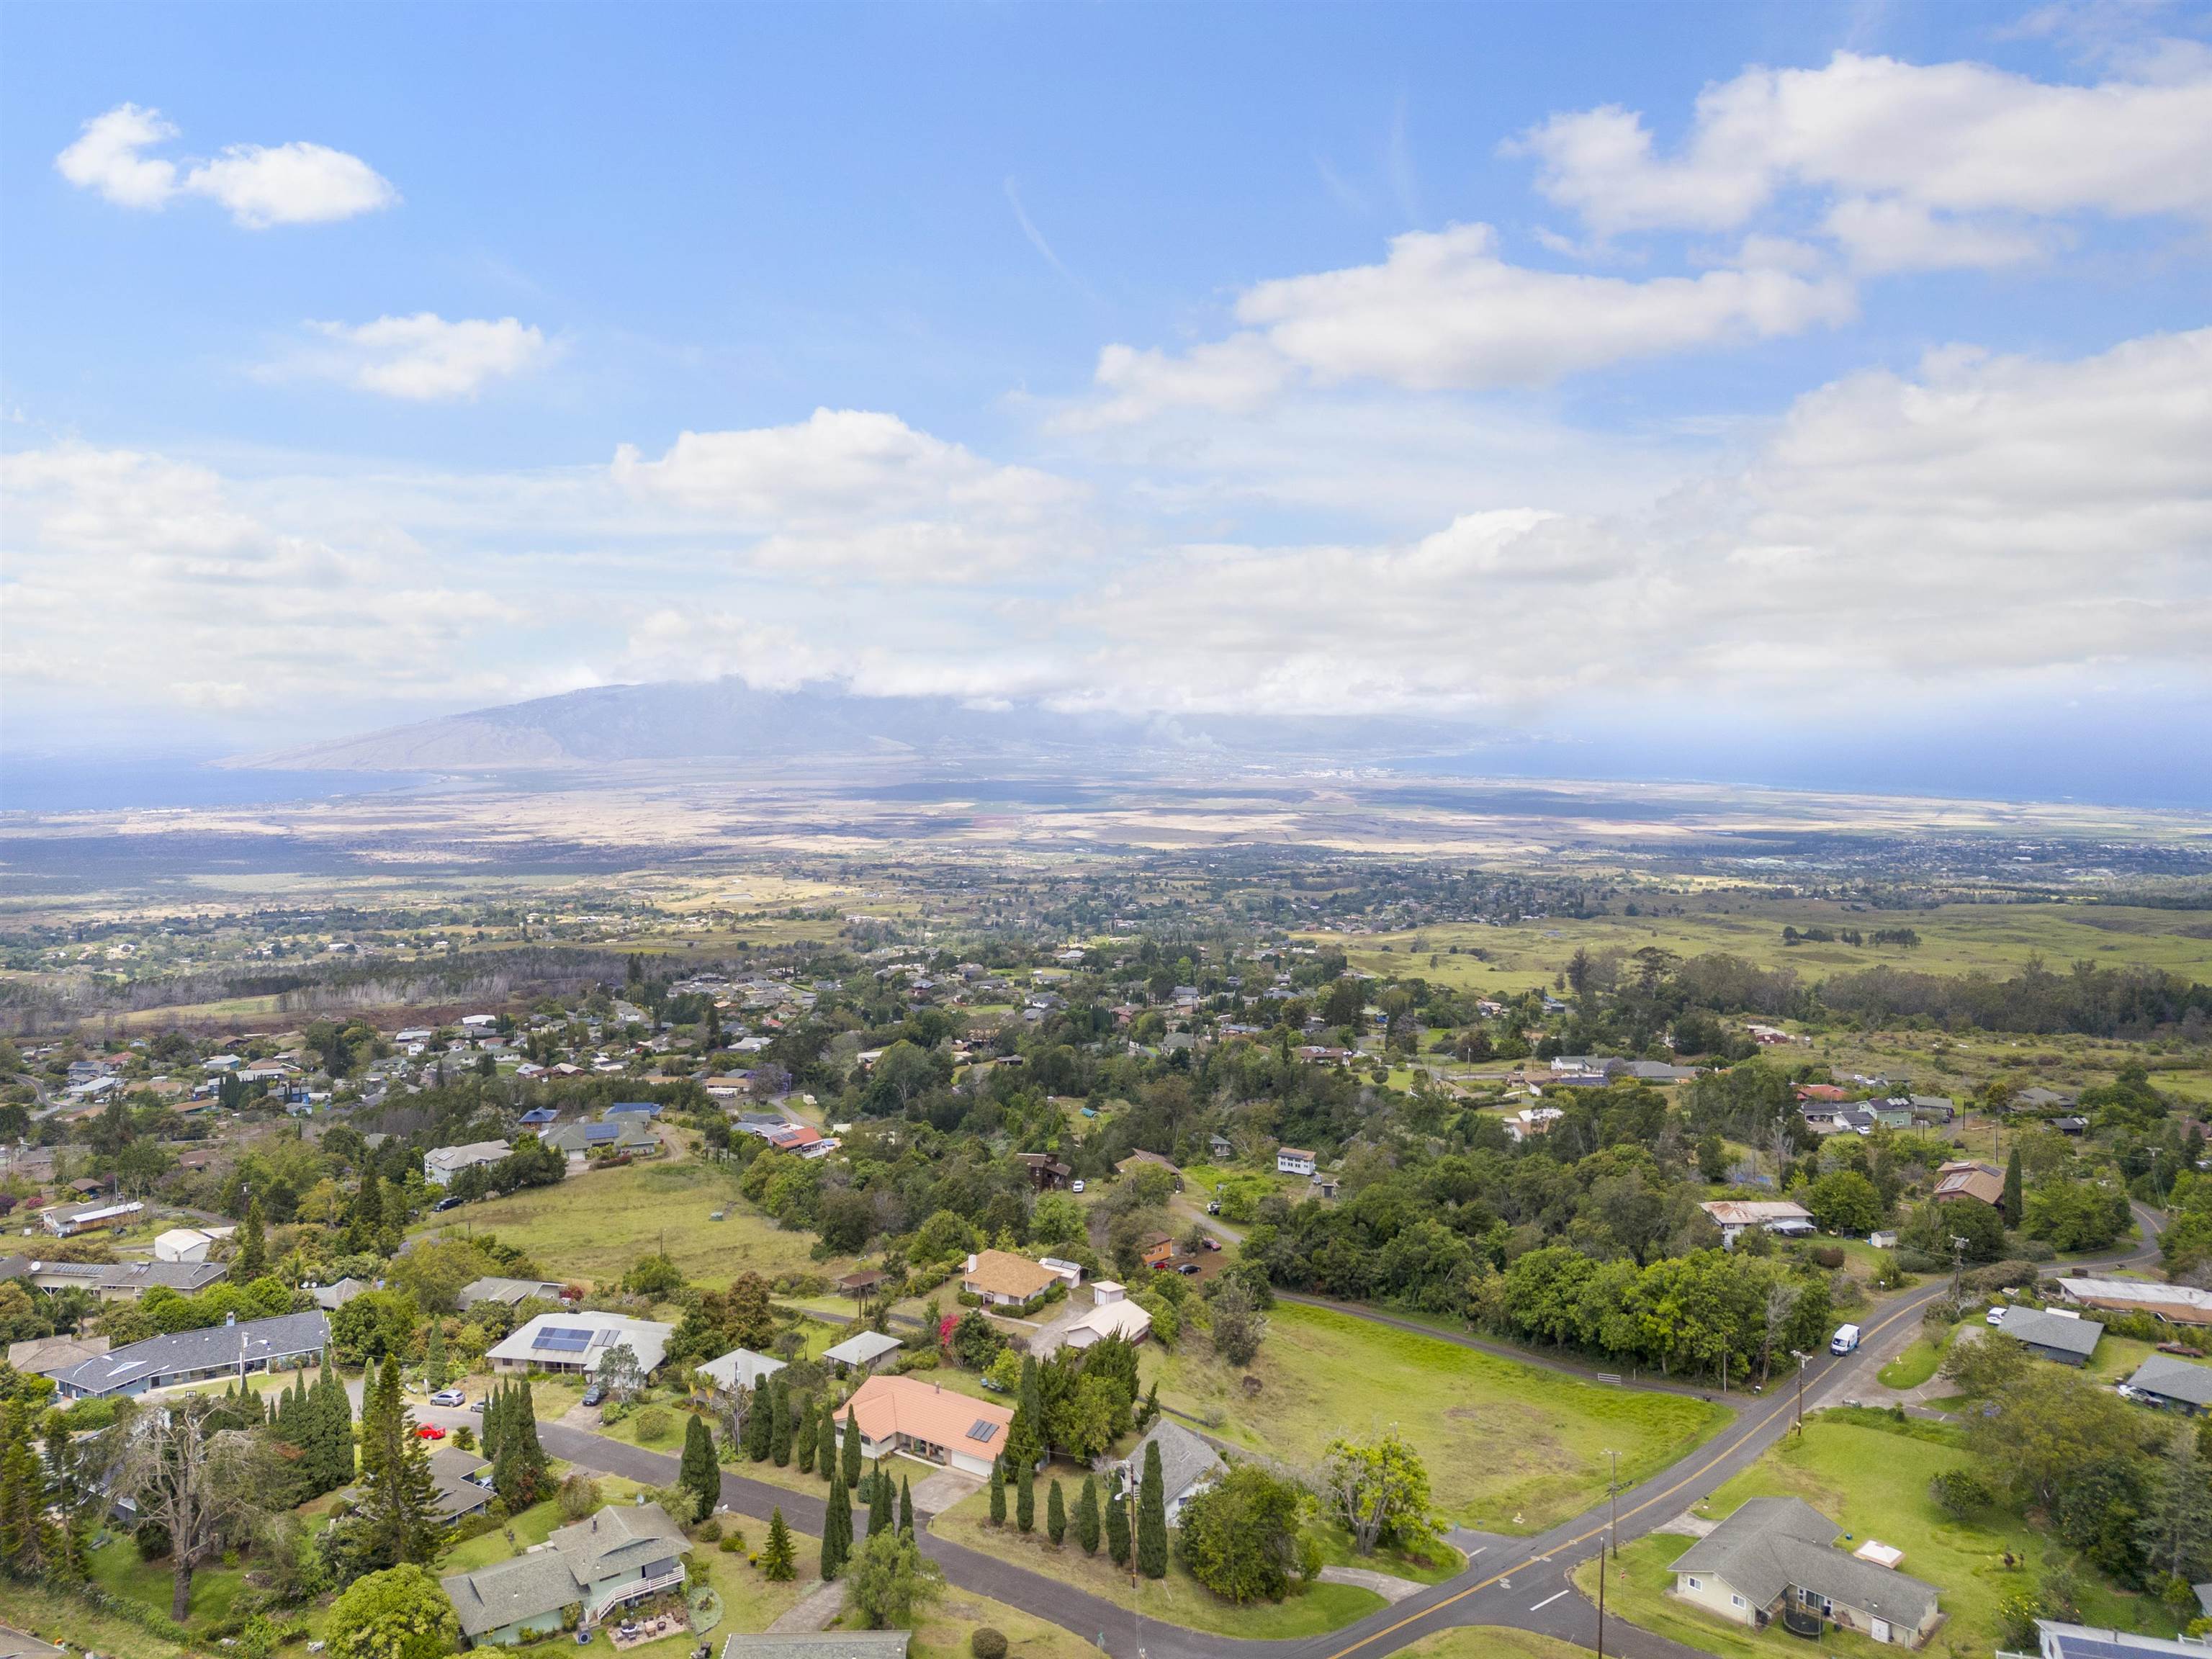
x: 1781, y: 1409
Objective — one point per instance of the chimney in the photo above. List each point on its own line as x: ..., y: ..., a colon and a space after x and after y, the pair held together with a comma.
x: 230, y: 1319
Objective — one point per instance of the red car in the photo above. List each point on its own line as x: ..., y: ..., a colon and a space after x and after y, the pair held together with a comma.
x: 429, y: 1432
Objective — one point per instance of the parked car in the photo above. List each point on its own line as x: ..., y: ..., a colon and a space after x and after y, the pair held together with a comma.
x: 429, y: 1432
x: 449, y: 1397
x: 1994, y: 1316
x: 477, y: 1406
x: 1214, y: 1208
x: 594, y: 1394
x: 1077, y: 1185
x: 1186, y: 1266
x: 449, y: 1202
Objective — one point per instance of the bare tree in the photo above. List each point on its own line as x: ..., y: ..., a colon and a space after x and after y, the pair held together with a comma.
x: 1779, y: 1145
x: 1780, y: 1303
x: 197, y: 1479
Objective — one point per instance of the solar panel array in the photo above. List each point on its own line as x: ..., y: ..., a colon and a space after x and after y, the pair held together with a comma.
x: 981, y: 1429
x: 562, y: 1340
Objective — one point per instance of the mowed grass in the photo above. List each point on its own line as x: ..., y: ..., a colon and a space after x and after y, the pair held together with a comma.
x: 119, y: 1569
x: 592, y: 1226
x: 1491, y: 1642
x: 56, y: 1618
x: 1509, y: 1447
x: 1177, y: 1599
x: 1874, y: 1484
x: 948, y: 1623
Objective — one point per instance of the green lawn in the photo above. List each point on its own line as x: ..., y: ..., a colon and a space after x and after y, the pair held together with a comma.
x: 1440, y: 1562
x: 592, y: 1226
x: 1508, y: 1448
x: 1914, y: 1366
x: 1178, y: 1599
x: 948, y: 1623
x: 1873, y: 1482
x: 117, y: 1567
x: 55, y: 1617
x: 1491, y: 1642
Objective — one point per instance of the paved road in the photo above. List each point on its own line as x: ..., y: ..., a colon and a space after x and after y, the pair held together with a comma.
x: 1523, y: 1583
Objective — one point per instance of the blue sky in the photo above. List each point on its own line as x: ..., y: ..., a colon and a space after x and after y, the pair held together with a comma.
x: 1779, y: 366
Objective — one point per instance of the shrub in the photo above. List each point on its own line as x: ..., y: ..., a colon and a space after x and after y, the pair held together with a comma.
x: 579, y: 1496
x: 733, y: 1543
x: 1830, y: 1256
x: 655, y: 1423
x: 987, y: 1644
x: 710, y: 1531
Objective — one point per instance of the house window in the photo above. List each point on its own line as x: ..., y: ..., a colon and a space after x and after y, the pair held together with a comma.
x: 1694, y: 1584
x: 1735, y: 1600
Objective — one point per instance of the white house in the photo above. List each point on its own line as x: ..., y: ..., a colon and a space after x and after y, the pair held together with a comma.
x: 740, y: 1368
x: 441, y: 1164
x: 1733, y: 1216
x: 579, y: 1342
x: 1778, y: 1556
x: 1113, y: 1314
x: 182, y: 1244
x: 1293, y: 1160
x: 1188, y: 1465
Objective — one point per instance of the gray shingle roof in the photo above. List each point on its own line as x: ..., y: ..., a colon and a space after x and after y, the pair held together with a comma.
x: 2056, y: 1332
x: 252, y: 1340
x: 183, y: 1276
x: 2170, y: 1378
x: 1184, y: 1458
x: 1771, y: 1544
x: 618, y: 1539
x: 825, y: 1644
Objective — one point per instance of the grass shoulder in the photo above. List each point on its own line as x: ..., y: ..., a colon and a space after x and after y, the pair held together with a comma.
x: 1177, y: 1599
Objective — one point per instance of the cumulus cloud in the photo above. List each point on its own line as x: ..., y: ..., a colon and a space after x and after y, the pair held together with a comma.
x: 860, y: 491
x: 1988, y: 518
x: 1930, y: 165
x: 423, y: 357
x: 261, y: 186
x: 1445, y: 310
x: 134, y: 576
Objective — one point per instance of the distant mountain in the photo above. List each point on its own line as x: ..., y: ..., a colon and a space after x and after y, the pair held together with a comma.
x: 727, y: 719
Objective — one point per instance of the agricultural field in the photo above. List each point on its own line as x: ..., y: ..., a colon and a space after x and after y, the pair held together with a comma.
x: 1508, y: 1448
x: 1955, y: 938
x: 592, y: 1226
x: 1860, y: 1476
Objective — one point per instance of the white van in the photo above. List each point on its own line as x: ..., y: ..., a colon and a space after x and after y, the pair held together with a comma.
x: 1845, y: 1338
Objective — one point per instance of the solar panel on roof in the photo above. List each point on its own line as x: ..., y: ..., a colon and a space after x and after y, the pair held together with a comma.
x: 982, y: 1430
x: 562, y: 1340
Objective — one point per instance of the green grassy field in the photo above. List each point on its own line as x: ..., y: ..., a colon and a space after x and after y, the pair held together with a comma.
x: 1508, y: 1448
x: 1859, y: 1476
x: 117, y: 1567
x: 56, y: 1618
x: 1914, y: 1366
x: 1177, y: 1599
x: 1441, y: 1562
x: 592, y: 1227
x: 948, y: 1623
x: 1491, y: 1642
x: 1955, y: 939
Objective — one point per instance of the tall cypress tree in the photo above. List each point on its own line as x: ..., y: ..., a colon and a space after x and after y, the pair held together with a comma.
x: 880, y: 1512
x: 779, y: 1405
x: 802, y: 1438
x: 836, y: 1531
x: 701, y: 1475
x: 1055, y: 1515
x: 522, y: 1425
x: 906, y: 1507
x: 252, y: 1258
x: 1153, y: 1517
x: 850, y: 1466
x: 1117, y: 1527
x: 1025, y: 1500
x: 998, y: 1491
x: 2012, y: 1203
x: 1087, y: 1516
x: 334, y: 1439
x: 1025, y: 1435
x: 759, y: 1424
x: 825, y: 1442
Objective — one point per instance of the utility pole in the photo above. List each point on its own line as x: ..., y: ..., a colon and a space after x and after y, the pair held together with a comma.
x: 1958, y: 1266
x: 1612, y: 1523
x: 1800, y: 1360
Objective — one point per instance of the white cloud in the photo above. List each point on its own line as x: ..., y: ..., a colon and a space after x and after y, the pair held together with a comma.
x: 1943, y: 163
x: 261, y: 186
x: 106, y: 159
x: 134, y: 577
x: 1445, y: 311
x: 423, y: 357
x: 1989, y: 521
x: 862, y: 492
